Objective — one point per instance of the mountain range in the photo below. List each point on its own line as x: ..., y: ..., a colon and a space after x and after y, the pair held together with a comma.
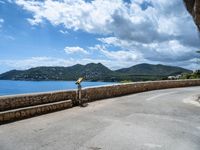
x: 95, y: 72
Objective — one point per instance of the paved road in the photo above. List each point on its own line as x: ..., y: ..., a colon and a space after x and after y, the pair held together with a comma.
x: 155, y: 120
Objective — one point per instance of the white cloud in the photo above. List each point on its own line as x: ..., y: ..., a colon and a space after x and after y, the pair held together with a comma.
x: 2, y: 2
x: 71, y: 50
x: 161, y: 21
x: 9, y: 37
x: 21, y: 64
x: 36, y: 61
x: 118, y: 55
x: 34, y: 21
x: 1, y: 22
x: 10, y: 1
x: 161, y: 32
x: 76, y: 14
x: 63, y: 32
x: 114, y: 41
x: 27, y: 63
x: 161, y: 52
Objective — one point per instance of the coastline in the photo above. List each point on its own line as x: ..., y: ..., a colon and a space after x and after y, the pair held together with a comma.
x: 13, y: 87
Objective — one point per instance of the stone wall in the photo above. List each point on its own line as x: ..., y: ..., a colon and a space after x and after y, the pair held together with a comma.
x: 27, y: 112
x: 25, y: 100
x: 123, y: 89
x: 18, y: 107
x: 91, y: 94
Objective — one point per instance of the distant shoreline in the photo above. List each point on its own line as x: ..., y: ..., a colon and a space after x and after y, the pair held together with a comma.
x: 53, y: 80
x: 13, y: 87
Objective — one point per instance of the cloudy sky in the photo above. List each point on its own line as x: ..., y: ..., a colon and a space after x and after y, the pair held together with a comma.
x: 117, y: 33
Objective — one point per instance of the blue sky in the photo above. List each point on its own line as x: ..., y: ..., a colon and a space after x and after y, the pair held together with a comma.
x: 116, y: 33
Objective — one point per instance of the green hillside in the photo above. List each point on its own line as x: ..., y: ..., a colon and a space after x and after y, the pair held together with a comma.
x: 153, y: 70
x: 94, y: 72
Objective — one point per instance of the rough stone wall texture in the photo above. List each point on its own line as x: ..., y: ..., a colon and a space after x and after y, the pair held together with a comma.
x: 18, y: 107
x: 91, y: 94
x: 19, y: 101
x: 27, y: 112
x: 119, y: 90
x: 193, y: 6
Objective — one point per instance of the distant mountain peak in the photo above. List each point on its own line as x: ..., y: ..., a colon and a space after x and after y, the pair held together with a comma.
x: 153, y: 69
x: 94, y: 72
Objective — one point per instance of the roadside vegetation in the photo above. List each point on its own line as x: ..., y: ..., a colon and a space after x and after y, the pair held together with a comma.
x: 195, y: 74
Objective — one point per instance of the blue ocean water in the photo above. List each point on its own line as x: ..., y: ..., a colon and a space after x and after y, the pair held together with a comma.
x: 8, y: 87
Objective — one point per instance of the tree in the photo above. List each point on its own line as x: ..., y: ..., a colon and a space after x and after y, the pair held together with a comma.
x: 198, y: 53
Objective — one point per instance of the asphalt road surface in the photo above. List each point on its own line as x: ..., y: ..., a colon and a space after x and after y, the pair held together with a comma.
x: 156, y: 120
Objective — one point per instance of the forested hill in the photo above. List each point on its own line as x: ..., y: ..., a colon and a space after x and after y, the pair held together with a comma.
x: 148, y: 69
x: 94, y: 72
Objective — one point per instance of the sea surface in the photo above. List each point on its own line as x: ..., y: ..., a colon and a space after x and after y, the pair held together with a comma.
x: 8, y: 87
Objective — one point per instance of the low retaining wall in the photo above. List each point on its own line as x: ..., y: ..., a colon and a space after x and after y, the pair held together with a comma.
x: 91, y: 94
x: 27, y: 112
x: 25, y: 100
x: 123, y: 89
